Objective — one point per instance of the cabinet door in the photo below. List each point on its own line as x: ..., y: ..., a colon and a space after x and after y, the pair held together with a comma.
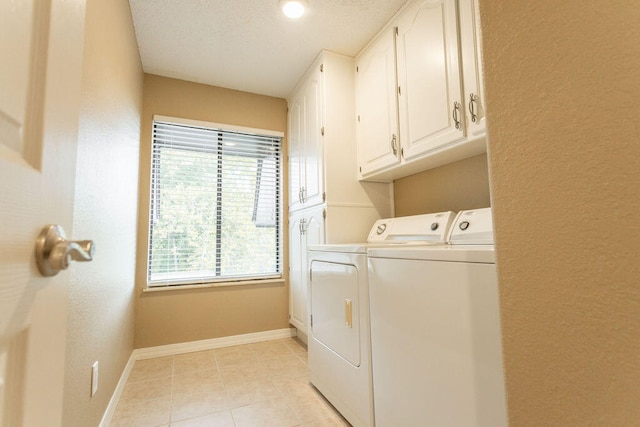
x: 305, y: 228
x: 313, y: 153
x: 297, y: 274
x: 314, y: 228
x: 296, y: 153
x: 472, y: 67
x: 314, y: 232
x: 429, y: 97
x: 377, y: 127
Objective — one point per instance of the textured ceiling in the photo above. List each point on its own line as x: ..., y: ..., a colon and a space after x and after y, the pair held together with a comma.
x: 250, y: 45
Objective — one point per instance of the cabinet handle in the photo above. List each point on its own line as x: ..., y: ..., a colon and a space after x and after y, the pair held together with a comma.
x: 394, y: 146
x: 303, y: 190
x: 473, y: 100
x: 456, y: 111
x: 302, y: 226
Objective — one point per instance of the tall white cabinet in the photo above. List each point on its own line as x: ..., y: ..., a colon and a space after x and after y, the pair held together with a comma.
x: 437, y: 91
x: 327, y: 203
x: 306, y: 172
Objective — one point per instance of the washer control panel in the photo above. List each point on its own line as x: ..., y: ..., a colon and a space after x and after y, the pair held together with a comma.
x: 426, y: 228
x: 473, y: 227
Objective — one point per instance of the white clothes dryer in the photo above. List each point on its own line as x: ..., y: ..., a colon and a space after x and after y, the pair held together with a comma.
x: 339, y: 337
x: 435, y: 331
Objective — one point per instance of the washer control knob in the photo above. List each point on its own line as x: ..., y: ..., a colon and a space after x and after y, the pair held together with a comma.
x: 434, y: 226
x: 464, y: 225
x: 381, y: 228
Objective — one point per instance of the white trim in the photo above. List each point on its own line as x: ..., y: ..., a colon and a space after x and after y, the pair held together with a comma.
x: 186, y: 347
x: 212, y: 125
x: 181, y: 286
x: 117, y: 393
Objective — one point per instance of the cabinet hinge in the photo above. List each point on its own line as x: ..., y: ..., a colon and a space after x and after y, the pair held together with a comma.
x: 357, y: 69
x: 322, y: 130
x: 311, y: 319
x: 322, y: 68
x: 324, y: 214
x: 399, y: 91
x: 397, y: 31
x: 324, y: 196
x: 402, y: 152
x: 360, y: 169
x: 358, y: 118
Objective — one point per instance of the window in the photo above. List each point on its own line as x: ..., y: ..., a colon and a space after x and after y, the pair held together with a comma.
x: 215, y: 203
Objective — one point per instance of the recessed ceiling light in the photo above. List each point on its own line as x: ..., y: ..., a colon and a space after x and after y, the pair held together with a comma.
x: 293, y: 8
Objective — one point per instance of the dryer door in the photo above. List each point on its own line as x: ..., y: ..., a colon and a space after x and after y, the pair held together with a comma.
x: 335, y: 308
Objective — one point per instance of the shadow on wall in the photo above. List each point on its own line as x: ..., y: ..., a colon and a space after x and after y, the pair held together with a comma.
x: 454, y: 187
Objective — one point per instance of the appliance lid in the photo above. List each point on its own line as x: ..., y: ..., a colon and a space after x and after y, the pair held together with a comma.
x: 472, y: 227
x: 426, y: 228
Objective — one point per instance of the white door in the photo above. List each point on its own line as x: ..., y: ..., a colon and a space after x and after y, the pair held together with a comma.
x: 430, y: 99
x: 377, y: 120
x: 40, y: 77
x: 334, y: 304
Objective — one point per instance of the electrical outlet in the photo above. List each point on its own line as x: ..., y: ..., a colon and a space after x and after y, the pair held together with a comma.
x: 94, y: 378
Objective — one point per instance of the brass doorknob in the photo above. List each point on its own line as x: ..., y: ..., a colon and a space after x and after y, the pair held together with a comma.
x: 54, y: 251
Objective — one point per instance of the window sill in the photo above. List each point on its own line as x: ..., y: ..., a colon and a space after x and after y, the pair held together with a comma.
x: 212, y: 285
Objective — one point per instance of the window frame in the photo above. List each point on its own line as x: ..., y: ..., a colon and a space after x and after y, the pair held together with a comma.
x: 203, y: 282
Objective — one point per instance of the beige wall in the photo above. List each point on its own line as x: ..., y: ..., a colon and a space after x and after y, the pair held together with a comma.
x: 101, y: 309
x: 175, y: 316
x: 562, y: 87
x: 458, y: 186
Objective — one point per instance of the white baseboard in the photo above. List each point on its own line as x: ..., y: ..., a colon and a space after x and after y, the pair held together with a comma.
x: 115, y: 397
x: 187, y: 347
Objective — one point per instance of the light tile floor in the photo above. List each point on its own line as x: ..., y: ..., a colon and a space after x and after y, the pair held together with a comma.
x: 262, y: 384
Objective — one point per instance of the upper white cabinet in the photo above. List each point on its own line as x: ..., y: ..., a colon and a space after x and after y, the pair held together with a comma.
x: 306, y: 181
x: 377, y: 112
x: 472, y: 67
x: 429, y: 87
x: 437, y: 92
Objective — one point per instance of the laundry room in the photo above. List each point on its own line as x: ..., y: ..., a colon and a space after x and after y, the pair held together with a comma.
x: 319, y: 213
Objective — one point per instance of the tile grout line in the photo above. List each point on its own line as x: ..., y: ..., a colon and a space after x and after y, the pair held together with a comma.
x: 224, y: 385
x: 173, y: 373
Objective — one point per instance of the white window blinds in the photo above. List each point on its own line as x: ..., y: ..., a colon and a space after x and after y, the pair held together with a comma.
x: 215, y: 205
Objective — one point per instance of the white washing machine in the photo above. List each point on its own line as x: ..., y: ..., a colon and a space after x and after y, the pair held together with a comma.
x: 339, y: 339
x: 435, y: 331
